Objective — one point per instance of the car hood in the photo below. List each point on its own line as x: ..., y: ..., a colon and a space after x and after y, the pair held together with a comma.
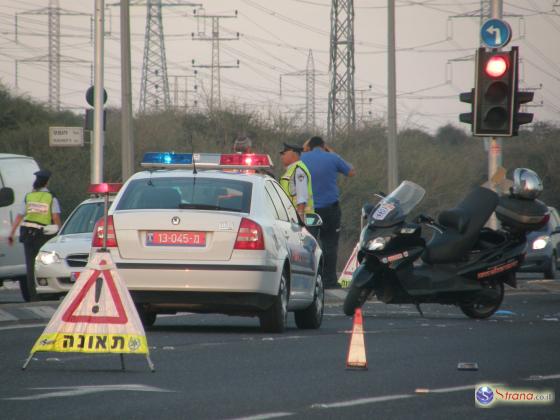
x: 63, y: 245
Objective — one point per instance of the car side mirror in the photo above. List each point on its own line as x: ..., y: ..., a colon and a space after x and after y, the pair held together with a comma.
x: 6, y: 196
x: 313, y: 220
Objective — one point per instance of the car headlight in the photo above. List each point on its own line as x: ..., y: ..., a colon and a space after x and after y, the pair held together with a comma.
x: 377, y: 244
x: 541, y: 242
x: 48, y: 258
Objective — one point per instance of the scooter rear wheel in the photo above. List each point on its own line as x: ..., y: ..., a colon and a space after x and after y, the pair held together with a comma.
x: 355, y: 298
x: 485, y: 309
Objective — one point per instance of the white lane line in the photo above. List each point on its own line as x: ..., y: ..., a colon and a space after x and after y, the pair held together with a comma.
x: 362, y: 401
x: 373, y: 400
x: 265, y: 416
x: 542, y: 377
x: 17, y: 327
x: 42, y: 311
x: 6, y: 316
x: 72, y: 391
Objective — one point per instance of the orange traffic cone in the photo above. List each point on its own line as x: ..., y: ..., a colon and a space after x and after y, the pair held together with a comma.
x: 357, y: 351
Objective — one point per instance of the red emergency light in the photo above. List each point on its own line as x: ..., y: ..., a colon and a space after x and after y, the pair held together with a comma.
x: 245, y: 159
x: 104, y: 188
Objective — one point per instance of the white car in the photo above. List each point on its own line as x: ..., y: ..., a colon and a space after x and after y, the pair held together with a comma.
x: 61, y: 260
x: 225, y: 239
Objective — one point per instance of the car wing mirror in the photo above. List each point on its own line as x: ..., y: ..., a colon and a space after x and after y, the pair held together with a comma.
x: 6, y: 196
x: 312, y: 220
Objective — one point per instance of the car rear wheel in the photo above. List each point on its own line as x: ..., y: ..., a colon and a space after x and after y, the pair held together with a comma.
x: 550, y: 272
x: 275, y: 318
x: 311, y: 317
x: 147, y: 317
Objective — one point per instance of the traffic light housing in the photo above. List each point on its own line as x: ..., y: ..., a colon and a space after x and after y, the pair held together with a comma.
x: 521, y: 118
x: 495, y: 92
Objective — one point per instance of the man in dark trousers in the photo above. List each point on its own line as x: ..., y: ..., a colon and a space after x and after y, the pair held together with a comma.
x: 324, y: 167
x: 40, y: 221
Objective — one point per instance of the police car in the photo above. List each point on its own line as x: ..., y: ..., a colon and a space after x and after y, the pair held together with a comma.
x: 61, y: 260
x: 211, y: 233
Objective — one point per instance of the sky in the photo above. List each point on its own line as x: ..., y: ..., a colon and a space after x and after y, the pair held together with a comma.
x: 435, y: 39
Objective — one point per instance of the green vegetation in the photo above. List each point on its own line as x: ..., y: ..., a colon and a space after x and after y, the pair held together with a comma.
x: 446, y: 164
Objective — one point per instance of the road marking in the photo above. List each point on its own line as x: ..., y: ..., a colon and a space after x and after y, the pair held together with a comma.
x: 542, y: 377
x: 17, y: 327
x: 72, y: 391
x: 265, y: 416
x: 385, y: 398
x: 6, y: 316
x: 42, y: 311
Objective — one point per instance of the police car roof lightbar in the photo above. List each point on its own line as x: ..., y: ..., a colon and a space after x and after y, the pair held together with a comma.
x: 170, y: 160
x: 104, y: 188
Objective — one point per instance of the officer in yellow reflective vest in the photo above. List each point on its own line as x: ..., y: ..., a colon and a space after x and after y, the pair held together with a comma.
x: 296, y: 180
x: 39, y: 223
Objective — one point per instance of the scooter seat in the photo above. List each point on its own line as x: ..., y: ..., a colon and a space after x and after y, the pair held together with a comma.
x: 463, y: 225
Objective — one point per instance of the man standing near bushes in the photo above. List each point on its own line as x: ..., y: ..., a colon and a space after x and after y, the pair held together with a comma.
x: 324, y: 167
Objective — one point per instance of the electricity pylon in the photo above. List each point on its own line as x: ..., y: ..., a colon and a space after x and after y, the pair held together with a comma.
x: 341, y: 114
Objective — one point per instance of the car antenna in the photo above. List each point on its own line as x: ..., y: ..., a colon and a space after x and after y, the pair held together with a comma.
x: 193, y: 157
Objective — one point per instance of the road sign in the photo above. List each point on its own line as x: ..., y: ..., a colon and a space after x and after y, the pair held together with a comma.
x: 66, y: 136
x: 495, y: 33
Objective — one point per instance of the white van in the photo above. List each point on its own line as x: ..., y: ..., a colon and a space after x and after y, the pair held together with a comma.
x: 16, y: 173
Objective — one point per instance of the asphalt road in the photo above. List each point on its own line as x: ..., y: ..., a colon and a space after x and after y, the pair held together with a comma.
x: 217, y: 367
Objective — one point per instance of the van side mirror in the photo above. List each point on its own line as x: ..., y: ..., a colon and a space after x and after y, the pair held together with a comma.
x: 313, y: 219
x: 6, y: 196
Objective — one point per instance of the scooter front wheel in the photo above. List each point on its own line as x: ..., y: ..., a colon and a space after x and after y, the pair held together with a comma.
x: 484, y: 308
x: 355, y: 298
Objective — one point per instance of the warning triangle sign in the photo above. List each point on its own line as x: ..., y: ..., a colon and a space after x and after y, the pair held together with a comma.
x: 96, y: 316
x: 88, y: 305
x: 351, y: 265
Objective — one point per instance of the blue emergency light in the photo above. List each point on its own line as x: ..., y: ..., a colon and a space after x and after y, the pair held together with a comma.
x: 167, y: 158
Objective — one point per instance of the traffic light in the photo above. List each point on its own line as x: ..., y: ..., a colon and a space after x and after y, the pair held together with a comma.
x: 495, y: 92
x: 467, y: 97
x: 521, y: 117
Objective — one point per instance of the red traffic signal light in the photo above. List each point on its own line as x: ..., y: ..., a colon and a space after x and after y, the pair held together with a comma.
x: 496, y: 66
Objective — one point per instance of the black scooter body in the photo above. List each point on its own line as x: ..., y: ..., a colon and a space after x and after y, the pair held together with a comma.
x: 404, y: 271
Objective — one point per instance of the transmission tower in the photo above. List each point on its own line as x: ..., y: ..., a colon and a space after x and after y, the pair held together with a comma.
x: 216, y: 66
x: 154, y: 88
x: 53, y: 58
x: 341, y: 114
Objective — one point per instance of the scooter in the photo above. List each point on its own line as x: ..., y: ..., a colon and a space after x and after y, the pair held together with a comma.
x: 463, y: 263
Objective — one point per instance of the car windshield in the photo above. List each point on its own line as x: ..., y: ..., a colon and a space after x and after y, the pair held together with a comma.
x: 187, y: 193
x: 83, y: 219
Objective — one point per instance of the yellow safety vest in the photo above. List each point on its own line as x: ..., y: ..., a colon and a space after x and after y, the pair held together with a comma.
x: 285, y: 184
x: 38, y: 207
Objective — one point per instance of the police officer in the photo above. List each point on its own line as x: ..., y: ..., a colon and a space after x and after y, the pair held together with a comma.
x: 296, y: 181
x: 41, y: 221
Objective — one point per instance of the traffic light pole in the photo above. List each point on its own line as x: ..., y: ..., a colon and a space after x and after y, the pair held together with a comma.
x: 495, y: 144
x: 98, y: 134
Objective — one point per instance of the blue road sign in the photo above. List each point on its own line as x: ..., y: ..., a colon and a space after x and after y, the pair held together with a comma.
x: 495, y: 33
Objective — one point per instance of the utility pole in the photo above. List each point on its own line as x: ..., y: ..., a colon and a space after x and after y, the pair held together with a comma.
x: 98, y: 133
x: 310, y: 76
x: 182, y: 101
x: 361, y: 101
x: 216, y: 66
x: 53, y: 57
x: 341, y: 113
x: 127, y: 136
x: 392, y: 162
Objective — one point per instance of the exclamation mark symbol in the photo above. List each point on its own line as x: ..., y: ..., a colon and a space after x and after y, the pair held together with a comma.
x: 98, y: 285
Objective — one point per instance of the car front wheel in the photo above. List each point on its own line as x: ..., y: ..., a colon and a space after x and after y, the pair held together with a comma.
x: 275, y: 318
x: 550, y: 272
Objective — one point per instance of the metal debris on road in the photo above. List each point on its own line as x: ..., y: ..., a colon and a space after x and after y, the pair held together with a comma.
x: 467, y: 366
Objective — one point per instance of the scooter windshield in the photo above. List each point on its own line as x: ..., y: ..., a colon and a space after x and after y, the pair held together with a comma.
x: 396, y: 206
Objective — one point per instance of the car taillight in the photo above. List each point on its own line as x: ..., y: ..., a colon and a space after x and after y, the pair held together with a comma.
x: 249, y: 236
x: 97, y: 240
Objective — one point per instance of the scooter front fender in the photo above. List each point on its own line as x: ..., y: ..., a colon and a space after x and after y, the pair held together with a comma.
x: 362, y: 277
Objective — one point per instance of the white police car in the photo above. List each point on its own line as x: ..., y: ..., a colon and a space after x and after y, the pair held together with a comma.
x: 207, y: 233
x: 61, y: 260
